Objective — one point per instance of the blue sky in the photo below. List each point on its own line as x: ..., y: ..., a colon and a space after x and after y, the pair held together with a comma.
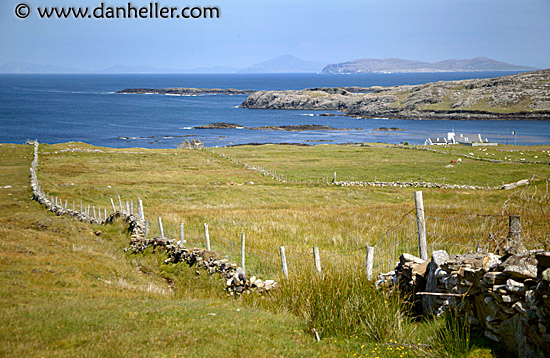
x: 251, y: 31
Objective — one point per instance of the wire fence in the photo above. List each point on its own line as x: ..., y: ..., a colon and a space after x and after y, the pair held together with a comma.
x: 455, y: 232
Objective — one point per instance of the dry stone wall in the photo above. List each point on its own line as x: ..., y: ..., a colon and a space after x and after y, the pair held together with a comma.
x: 508, y: 297
x: 236, y: 280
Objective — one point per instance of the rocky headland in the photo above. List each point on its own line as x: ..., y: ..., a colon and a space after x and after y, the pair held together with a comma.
x: 522, y: 96
x: 183, y: 91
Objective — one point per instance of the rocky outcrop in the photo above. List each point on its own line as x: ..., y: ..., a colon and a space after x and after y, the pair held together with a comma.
x: 193, y: 144
x: 513, y: 97
x: 505, y: 296
x: 182, y: 91
x: 288, y: 128
x: 384, y: 129
x: 301, y: 127
x: 220, y: 125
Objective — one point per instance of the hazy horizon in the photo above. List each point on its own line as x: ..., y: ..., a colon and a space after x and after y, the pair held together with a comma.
x: 251, y: 31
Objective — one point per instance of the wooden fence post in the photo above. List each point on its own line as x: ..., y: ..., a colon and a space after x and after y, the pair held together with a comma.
x: 514, y: 227
x: 370, y: 261
x: 127, y: 208
x: 182, y: 234
x: 514, y: 234
x: 242, y: 252
x: 206, y: 236
x: 113, y: 205
x: 120, y: 204
x: 421, y: 225
x: 283, y: 261
x: 141, y: 214
x: 95, y: 216
x: 105, y: 212
x: 132, y: 207
x: 161, y: 229
x: 317, y: 259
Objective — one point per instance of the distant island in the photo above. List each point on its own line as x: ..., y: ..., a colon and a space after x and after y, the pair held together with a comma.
x: 183, y: 91
x: 519, y: 96
x: 287, y: 64
x: 398, y: 65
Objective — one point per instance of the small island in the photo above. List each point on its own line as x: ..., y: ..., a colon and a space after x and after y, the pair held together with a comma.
x: 183, y: 91
x: 392, y: 129
x: 288, y: 128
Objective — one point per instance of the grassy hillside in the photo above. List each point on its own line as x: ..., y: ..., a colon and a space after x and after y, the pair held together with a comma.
x: 68, y: 288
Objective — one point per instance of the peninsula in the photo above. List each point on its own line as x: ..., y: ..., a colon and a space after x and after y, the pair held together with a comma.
x: 522, y: 96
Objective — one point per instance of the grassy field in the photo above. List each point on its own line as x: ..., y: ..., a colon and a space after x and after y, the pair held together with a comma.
x: 67, y: 291
x: 389, y: 163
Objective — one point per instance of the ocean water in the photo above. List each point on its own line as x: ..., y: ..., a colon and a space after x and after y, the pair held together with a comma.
x: 62, y: 108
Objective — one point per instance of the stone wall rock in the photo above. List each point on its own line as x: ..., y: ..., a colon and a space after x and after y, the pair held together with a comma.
x: 508, y: 297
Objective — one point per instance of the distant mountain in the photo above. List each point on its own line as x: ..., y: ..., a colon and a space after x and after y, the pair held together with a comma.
x: 284, y: 64
x: 28, y: 68
x: 398, y: 65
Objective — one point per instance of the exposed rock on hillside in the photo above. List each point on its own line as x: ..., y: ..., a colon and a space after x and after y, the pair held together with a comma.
x: 519, y: 96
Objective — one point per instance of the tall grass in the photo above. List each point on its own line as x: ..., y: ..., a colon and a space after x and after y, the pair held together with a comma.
x: 453, y: 339
x: 341, y: 302
x: 532, y: 203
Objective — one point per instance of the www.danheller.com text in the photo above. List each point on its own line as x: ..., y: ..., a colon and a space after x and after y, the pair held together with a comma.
x: 152, y: 10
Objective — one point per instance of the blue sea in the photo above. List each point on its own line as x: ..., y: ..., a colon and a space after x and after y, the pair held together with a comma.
x: 62, y: 108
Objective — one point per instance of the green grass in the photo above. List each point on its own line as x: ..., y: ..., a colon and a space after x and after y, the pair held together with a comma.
x: 67, y: 292
x: 88, y: 287
x: 391, y: 164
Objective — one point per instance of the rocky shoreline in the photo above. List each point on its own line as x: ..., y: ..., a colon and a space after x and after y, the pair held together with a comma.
x: 523, y: 96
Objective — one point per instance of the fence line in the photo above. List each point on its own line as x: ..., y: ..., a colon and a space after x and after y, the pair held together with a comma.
x: 324, y: 180
x: 399, y: 238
